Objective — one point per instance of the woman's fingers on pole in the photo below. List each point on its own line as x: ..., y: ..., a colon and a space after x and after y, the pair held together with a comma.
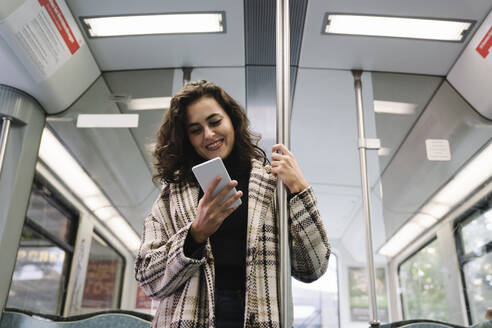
x: 281, y: 148
x: 277, y: 156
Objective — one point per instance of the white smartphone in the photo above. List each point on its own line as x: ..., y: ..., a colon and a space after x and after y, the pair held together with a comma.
x: 208, y: 170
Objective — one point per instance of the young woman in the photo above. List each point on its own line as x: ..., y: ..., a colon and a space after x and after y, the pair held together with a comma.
x: 208, y: 265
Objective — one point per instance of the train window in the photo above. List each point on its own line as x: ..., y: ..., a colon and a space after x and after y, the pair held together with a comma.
x: 44, y: 254
x: 359, y: 298
x: 422, y: 286
x: 475, y: 256
x: 317, y: 304
x: 104, y: 277
x: 45, y: 212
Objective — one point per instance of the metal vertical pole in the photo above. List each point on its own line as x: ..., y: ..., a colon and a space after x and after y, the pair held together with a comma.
x: 283, y: 136
x: 365, y: 197
x: 4, y: 135
x: 187, y: 74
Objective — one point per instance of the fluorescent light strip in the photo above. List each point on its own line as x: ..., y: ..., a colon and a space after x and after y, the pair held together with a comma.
x: 154, y: 24
x: 107, y: 121
x: 53, y: 153
x: 474, y: 174
x: 399, y: 27
x: 402, y: 238
x: 122, y: 229
x: 384, y: 151
x: 393, y: 107
x: 149, y: 103
x: 59, y: 160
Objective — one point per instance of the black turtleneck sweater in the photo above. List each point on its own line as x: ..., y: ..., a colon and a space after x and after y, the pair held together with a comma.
x: 229, y: 241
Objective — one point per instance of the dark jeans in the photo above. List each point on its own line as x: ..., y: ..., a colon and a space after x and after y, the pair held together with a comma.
x: 229, y: 308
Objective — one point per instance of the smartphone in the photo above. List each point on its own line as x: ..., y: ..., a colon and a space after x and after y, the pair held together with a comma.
x: 208, y: 170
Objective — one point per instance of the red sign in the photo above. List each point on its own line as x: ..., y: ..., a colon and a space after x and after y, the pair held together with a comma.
x: 143, y: 301
x: 100, y: 284
x: 61, y: 24
x: 484, y: 46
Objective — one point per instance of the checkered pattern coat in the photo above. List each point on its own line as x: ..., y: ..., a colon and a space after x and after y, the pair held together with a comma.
x: 185, y: 286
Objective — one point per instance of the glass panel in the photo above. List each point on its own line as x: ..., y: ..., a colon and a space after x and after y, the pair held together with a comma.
x: 433, y: 159
x: 316, y: 304
x: 477, y: 232
x: 359, y: 295
x: 103, y: 277
x: 46, y: 215
x: 422, y: 288
x: 38, y: 279
x: 478, y: 275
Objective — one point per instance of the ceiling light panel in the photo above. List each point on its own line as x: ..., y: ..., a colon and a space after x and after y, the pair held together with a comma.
x: 397, y: 27
x: 177, y: 23
x: 149, y: 103
x: 393, y: 107
x: 107, y: 121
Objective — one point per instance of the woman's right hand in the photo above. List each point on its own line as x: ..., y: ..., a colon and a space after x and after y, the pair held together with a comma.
x: 212, y: 211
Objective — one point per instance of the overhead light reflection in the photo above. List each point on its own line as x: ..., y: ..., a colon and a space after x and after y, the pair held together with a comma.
x: 59, y: 160
x: 399, y: 27
x: 393, y: 107
x: 149, y: 103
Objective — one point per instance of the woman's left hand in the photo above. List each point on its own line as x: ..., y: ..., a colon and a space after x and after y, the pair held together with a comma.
x: 284, y: 165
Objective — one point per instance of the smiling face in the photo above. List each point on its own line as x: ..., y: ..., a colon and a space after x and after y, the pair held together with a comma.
x: 209, y: 128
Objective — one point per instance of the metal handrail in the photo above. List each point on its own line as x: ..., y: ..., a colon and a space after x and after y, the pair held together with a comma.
x: 4, y: 135
x: 365, y: 197
x: 283, y: 136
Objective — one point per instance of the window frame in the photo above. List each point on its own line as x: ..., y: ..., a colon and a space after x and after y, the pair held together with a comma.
x: 464, y: 258
x: 338, y: 271
x: 55, y: 199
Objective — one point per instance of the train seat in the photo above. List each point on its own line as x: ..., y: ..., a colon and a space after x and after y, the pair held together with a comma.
x: 122, y: 319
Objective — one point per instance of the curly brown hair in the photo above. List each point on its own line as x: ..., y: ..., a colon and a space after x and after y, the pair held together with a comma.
x: 174, y: 154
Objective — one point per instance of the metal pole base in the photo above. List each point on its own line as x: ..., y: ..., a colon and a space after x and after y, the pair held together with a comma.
x: 374, y: 324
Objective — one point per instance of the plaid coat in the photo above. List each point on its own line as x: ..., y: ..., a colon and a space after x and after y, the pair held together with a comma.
x: 185, y: 286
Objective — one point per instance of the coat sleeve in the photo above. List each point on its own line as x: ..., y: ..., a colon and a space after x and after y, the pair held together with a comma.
x: 161, y: 266
x: 310, y: 249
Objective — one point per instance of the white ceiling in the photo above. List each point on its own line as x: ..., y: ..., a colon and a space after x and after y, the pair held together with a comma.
x: 165, y: 51
x: 386, y: 54
x: 324, y: 140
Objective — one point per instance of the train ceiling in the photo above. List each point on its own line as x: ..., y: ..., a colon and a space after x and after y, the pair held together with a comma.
x: 250, y: 39
x: 242, y: 60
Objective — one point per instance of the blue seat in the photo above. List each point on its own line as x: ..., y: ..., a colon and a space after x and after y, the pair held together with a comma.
x: 120, y: 319
x: 432, y: 324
